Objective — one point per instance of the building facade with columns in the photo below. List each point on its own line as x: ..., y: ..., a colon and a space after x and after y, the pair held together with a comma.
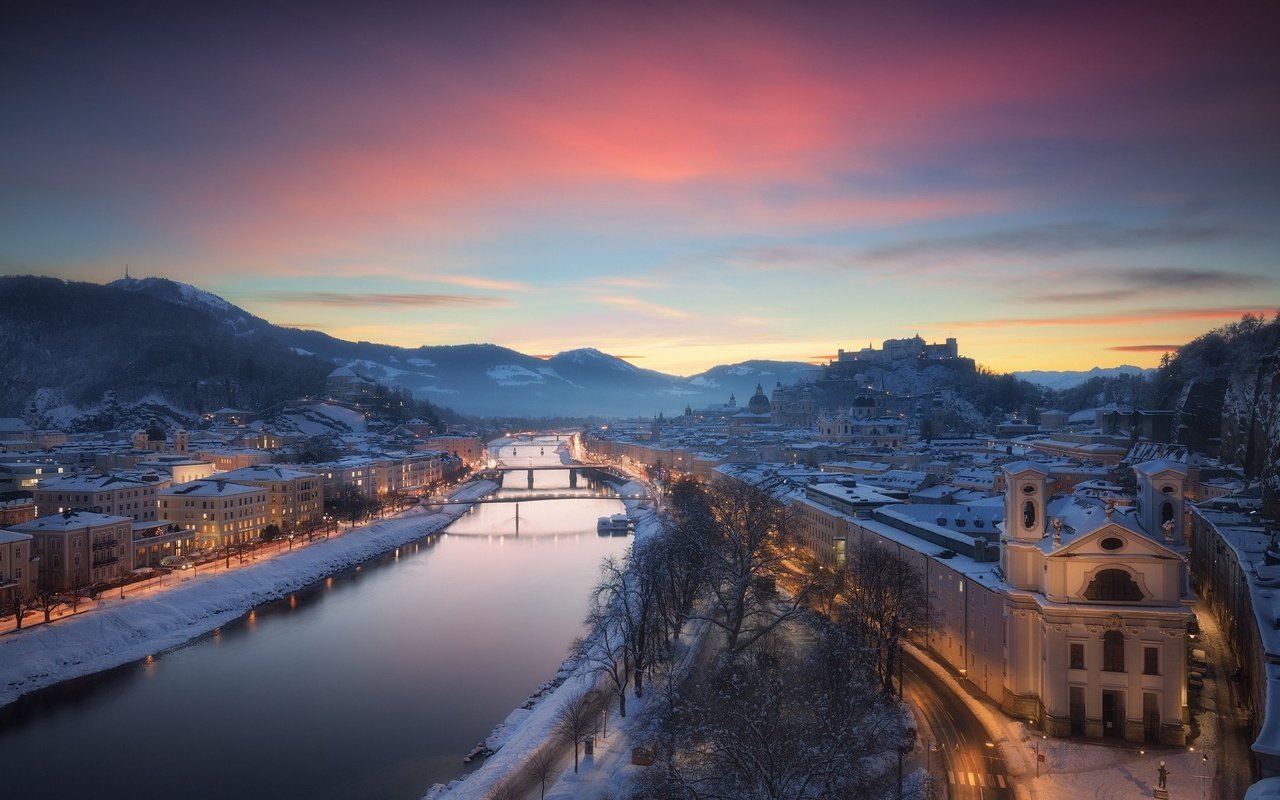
x: 1072, y: 613
x: 1097, y: 607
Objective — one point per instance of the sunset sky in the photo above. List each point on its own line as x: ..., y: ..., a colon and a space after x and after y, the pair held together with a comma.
x: 1058, y: 185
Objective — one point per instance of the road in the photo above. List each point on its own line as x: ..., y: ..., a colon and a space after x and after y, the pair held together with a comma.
x: 962, y: 762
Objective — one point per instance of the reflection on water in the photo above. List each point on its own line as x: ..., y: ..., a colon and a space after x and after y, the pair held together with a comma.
x: 372, y: 683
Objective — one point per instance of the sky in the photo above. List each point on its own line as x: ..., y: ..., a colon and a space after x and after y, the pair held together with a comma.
x: 1057, y: 185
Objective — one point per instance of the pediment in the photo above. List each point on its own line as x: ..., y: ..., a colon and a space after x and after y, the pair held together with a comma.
x: 1101, y: 544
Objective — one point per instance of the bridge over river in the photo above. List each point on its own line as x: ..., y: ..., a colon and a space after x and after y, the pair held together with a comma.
x: 604, y: 472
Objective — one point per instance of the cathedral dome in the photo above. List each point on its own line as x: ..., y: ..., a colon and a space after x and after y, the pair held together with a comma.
x: 759, y: 402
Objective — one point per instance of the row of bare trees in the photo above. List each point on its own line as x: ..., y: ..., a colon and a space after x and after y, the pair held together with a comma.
x: 794, y: 697
x: 44, y: 601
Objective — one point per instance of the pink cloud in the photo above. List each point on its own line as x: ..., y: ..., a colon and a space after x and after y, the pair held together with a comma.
x: 692, y: 124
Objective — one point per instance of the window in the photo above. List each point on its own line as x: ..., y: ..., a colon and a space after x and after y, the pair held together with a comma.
x: 1077, y: 655
x: 1028, y: 514
x: 1113, y: 651
x: 1150, y: 661
x: 1115, y: 585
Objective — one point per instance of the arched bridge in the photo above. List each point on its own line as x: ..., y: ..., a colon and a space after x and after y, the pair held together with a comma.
x: 601, y: 471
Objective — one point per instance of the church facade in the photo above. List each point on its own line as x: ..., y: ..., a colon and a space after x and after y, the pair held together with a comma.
x: 1096, y: 604
x: 1070, y: 614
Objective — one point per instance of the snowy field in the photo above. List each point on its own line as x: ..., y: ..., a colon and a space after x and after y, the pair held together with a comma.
x: 126, y: 630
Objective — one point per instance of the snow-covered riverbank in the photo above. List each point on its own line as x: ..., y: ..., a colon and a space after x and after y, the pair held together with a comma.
x: 530, y: 728
x: 127, y: 630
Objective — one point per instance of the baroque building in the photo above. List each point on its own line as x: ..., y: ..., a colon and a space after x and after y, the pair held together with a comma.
x: 1071, y: 613
x: 1097, y: 607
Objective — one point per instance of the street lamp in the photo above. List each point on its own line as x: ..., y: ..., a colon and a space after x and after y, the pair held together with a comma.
x: 1204, y: 775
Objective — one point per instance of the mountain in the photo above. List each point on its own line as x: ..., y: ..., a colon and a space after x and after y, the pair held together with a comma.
x: 79, y: 350
x: 1067, y: 380
x: 101, y: 349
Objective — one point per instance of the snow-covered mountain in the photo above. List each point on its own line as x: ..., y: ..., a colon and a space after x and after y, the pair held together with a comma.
x: 184, y: 294
x: 1066, y: 380
x: 200, y: 352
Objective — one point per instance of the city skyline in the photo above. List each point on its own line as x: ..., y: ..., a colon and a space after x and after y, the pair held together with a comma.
x: 1058, y: 187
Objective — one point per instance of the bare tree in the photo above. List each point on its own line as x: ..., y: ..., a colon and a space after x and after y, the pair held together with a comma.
x: 575, y: 721
x: 46, y: 601
x: 78, y: 591
x: 885, y: 599
x: 763, y: 727
x: 18, y: 602
x: 605, y: 647
x: 541, y: 766
x: 747, y: 557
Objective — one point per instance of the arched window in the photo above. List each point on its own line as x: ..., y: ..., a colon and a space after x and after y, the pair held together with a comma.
x: 1028, y: 514
x: 1114, y: 585
x: 1113, y: 651
x: 1166, y: 513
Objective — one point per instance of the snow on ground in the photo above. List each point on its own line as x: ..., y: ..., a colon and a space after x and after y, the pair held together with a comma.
x: 528, y: 729
x: 512, y: 375
x: 126, y: 630
x: 1077, y: 771
x: 354, y: 420
x: 609, y: 771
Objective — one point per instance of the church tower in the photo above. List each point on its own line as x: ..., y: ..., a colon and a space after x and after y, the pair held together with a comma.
x: 1025, y: 497
x: 1162, y: 486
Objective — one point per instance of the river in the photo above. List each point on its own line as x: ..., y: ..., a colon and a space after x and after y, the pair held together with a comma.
x: 374, y: 683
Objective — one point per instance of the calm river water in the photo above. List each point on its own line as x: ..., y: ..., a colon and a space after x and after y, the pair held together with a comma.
x: 372, y: 684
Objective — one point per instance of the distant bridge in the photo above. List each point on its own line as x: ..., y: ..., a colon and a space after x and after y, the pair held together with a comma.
x: 606, y: 470
x: 563, y: 494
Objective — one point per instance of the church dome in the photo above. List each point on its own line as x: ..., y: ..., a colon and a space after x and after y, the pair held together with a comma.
x: 759, y: 402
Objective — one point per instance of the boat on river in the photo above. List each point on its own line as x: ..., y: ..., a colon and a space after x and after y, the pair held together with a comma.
x: 614, y: 525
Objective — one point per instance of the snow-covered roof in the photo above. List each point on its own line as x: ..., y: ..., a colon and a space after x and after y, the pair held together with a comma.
x: 90, y: 483
x: 10, y: 536
x: 1156, y: 466
x: 68, y: 521
x: 209, y: 488
x: 1019, y: 467
x: 265, y: 472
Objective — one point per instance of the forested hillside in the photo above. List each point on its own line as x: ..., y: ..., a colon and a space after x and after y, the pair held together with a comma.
x: 83, y: 341
x: 1225, y: 386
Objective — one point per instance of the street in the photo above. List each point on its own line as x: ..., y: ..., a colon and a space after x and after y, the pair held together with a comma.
x: 962, y: 762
